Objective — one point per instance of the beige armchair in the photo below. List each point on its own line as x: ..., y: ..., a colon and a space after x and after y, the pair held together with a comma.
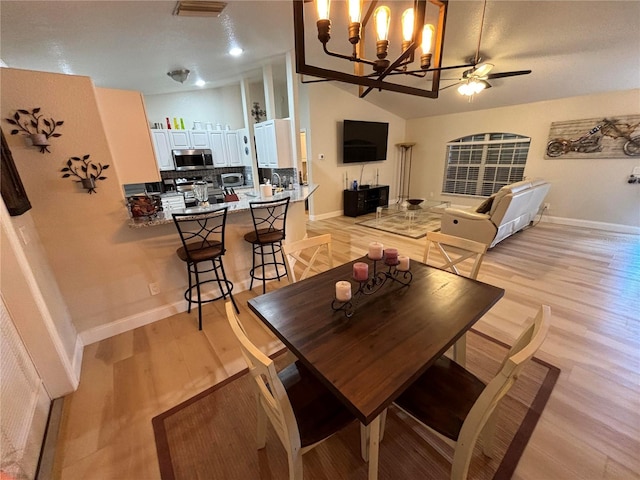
x: 510, y: 210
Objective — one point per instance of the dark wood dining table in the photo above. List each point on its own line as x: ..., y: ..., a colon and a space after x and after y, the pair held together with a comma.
x: 393, y: 336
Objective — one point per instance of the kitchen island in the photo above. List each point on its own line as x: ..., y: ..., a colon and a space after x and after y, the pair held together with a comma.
x: 238, y: 257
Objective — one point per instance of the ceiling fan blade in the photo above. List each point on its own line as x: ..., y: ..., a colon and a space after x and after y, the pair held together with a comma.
x: 482, y: 70
x: 508, y: 74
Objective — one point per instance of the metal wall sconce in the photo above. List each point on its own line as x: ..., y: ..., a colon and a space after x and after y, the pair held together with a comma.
x: 86, y: 171
x: 416, y: 35
x: 28, y: 123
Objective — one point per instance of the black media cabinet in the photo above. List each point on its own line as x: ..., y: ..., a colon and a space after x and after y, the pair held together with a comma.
x: 366, y: 200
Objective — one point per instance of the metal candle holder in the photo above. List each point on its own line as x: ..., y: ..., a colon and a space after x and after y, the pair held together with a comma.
x: 372, y: 285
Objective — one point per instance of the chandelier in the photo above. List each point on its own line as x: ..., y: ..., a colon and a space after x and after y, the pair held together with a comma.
x: 420, y: 40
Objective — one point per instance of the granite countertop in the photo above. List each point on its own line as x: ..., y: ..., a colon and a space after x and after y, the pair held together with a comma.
x: 162, y: 218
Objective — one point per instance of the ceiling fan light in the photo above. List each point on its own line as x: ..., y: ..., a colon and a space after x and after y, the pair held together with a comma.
x: 465, y: 89
x: 477, y: 86
x: 179, y: 75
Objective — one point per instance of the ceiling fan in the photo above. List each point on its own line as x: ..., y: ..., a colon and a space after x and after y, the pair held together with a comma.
x: 474, y: 80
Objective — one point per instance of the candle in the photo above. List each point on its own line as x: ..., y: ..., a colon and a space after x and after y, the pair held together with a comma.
x: 403, y: 263
x: 391, y: 256
x: 343, y: 291
x: 375, y: 250
x: 360, y: 271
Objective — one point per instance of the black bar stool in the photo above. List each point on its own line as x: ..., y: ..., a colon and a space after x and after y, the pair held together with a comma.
x: 269, y: 219
x: 202, y: 236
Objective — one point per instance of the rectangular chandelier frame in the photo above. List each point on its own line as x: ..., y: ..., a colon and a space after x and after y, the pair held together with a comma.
x: 379, y: 82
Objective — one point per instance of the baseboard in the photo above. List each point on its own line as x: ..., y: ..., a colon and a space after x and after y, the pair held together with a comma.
x: 610, y: 227
x: 141, y: 319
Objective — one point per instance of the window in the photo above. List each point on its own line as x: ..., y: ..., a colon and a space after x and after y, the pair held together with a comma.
x: 481, y: 164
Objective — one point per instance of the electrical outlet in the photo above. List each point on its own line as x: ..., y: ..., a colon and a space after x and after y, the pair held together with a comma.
x: 154, y: 288
x: 547, y: 206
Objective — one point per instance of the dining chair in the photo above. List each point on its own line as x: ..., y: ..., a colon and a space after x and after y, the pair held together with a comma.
x: 302, y: 410
x: 313, y: 255
x: 202, y: 237
x: 269, y: 230
x: 459, y: 407
x: 460, y: 256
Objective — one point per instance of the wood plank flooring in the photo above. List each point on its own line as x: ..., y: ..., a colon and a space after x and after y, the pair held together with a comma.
x: 590, y: 428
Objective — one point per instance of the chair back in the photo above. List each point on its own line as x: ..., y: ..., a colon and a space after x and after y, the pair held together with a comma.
x: 308, y: 254
x: 521, y: 352
x: 455, y: 252
x: 269, y: 219
x: 202, y: 234
x: 272, y: 394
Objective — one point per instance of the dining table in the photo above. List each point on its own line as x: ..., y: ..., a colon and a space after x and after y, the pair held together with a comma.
x: 368, y: 350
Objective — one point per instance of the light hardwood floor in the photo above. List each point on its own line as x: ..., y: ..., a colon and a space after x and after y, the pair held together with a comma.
x: 590, y: 428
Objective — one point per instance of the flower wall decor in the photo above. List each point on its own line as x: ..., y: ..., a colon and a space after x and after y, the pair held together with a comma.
x: 28, y: 123
x: 86, y: 171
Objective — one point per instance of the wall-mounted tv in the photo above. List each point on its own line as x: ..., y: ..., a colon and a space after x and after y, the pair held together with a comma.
x: 364, y: 141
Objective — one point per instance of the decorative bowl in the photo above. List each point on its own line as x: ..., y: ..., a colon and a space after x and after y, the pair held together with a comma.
x: 415, y: 201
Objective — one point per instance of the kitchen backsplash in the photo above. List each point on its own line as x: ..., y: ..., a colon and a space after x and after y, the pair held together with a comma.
x: 213, y: 175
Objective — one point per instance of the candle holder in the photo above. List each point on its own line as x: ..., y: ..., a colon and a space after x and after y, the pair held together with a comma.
x: 373, y: 284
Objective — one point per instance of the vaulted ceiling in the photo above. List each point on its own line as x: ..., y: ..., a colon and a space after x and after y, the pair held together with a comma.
x: 572, y: 47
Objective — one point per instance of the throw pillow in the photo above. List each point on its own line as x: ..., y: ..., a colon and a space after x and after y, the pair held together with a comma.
x: 486, y: 205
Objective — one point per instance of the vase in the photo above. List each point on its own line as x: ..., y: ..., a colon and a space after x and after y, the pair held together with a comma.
x: 39, y: 139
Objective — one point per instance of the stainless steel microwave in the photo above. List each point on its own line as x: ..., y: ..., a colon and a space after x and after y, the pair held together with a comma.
x: 198, y: 159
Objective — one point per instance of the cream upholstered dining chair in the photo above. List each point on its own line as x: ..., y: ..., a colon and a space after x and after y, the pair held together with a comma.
x: 308, y: 254
x: 458, y: 406
x: 302, y: 410
x: 460, y: 256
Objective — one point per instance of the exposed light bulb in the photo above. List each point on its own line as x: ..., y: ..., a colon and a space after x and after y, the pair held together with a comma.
x: 407, y: 25
x: 427, y: 37
x: 382, y: 16
x: 354, y: 11
x: 323, y: 9
x: 200, y: 83
x: 235, y: 51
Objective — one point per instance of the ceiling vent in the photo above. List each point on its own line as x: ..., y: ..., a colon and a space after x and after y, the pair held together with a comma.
x: 196, y: 8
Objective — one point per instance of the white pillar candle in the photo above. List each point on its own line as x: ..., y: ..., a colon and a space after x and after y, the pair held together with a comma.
x: 403, y: 264
x: 343, y: 291
x: 375, y: 250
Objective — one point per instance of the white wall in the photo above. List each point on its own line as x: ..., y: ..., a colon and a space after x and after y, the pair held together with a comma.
x: 591, y: 190
x: 327, y: 107
x: 216, y: 105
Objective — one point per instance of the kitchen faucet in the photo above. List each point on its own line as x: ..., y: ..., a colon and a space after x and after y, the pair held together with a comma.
x: 274, y: 174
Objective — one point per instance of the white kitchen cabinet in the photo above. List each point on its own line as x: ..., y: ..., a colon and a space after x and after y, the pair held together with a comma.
x: 273, y: 143
x: 162, y: 149
x: 218, y: 146
x: 232, y: 139
x: 180, y: 139
x: 244, y: 146
x: 199, y: 139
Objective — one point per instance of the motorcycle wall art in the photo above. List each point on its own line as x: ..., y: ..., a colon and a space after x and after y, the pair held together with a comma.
x: 608, y: 137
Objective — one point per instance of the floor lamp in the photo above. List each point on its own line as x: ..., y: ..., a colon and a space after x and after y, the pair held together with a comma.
x: 406, y: 152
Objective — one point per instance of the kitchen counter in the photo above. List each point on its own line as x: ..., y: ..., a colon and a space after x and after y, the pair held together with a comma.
x: 299, y: 194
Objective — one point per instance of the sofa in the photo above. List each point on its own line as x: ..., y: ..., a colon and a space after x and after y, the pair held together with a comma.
x: 506, y: 212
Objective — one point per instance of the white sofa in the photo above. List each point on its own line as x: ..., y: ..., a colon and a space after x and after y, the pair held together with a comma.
x: 512, y: 208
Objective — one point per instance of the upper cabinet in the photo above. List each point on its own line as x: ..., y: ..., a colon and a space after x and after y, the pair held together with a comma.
x: 228, y: 146
x: 273, y: 143
x: 219, y: 147
x: 162, y: 148
x: 189, y: 139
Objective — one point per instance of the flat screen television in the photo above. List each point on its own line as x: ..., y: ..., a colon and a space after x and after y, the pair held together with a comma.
x: 364, y: 141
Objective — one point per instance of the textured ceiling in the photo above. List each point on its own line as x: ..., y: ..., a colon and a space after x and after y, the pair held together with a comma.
x: 572, y: 47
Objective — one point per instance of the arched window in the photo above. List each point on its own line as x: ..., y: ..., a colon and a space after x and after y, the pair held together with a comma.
x: 481, y: 164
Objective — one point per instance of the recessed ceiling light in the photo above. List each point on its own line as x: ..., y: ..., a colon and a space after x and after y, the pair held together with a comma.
x: 200, y: 83
x: 235, y: 51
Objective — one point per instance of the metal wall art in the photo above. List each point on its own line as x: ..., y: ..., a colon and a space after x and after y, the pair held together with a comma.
x: 28, y: 123
x: 86, y: 171
x: 609, y: 137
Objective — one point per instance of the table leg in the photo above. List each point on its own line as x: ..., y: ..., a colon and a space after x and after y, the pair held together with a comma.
x: 374, y: 446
